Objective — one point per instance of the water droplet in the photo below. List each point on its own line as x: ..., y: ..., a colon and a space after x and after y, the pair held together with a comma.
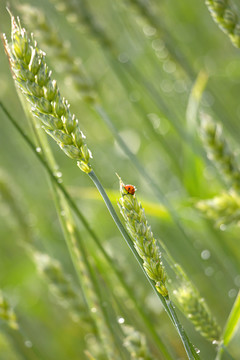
x: 197, y: 351
x: 180, y: 86
x: 169, y: 66
x: 166, y: 85
x: 158, y: 45
x: 121, y: 320
x: 215, y: 342
x: 149, y: 30
x: 28, y: 343
x: 232, y: 293
x: 38, y: 149
x: 59, y: 180
x: 93, y: 310
x: 123, y: 58
x: 58, y: 174
x: 162, y: 54
x: 223, y: 227
x: 155, y: 120
x: 205, y: 254
x: 209, y: 271
x: 90, y: 154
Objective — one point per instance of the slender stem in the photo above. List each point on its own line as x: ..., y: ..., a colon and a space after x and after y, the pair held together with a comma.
x: 167, y: 304
x: 85, y: 274
x: 81, y: 217
x: 161, y: 140
x: 186, y: 343
x: 19, y: 342
x: 223, y: 350
x: 116, y: 220
x: 74, y: 243
x: 49, y: 171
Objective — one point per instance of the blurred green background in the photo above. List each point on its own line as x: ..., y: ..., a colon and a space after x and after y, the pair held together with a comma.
x: 209, y: 255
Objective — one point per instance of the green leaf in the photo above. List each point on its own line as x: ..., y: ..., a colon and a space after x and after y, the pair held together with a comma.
x: 232, y: 322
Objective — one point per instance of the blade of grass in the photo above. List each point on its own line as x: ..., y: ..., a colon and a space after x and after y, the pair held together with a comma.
x: 230, y: 329
x: 23, y: 346
x: 232, y: 322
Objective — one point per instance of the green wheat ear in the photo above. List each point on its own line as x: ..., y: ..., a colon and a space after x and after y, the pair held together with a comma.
x: 219, y: 151
x: 136, y: 344
x: 143, y: 239
x: 227, y: 19
x: 7, y: 314
x: 224, y: 209
x: 33, y: 78
x: 62, y: 288
x: 197, y: 311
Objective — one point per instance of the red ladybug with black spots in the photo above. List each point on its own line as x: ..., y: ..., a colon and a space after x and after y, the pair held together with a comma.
x: 130, y: 189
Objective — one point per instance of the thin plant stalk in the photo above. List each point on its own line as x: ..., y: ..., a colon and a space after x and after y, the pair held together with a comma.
x: 167, y: 304
x: 191, y: 353
x: 157, y: 22
x: 20, y: 343
x: 110, y: 53
x: 223, y: 350
x: 77, y: 252
x: 78, y: 257
x: 11, y: 328
x: 85, y: 276
x: 162, y: 348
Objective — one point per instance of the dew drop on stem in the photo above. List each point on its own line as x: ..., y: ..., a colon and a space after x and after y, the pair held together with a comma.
x: 121, y: 320
x: 28, y: 343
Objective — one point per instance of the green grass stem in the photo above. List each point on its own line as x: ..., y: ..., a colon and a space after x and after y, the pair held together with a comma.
x: 167, y: 304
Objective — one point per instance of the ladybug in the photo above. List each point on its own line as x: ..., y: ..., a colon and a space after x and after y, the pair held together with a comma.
x: 130, y: 189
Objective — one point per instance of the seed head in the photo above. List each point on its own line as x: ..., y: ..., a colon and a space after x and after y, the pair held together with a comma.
x: 33, y: 78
